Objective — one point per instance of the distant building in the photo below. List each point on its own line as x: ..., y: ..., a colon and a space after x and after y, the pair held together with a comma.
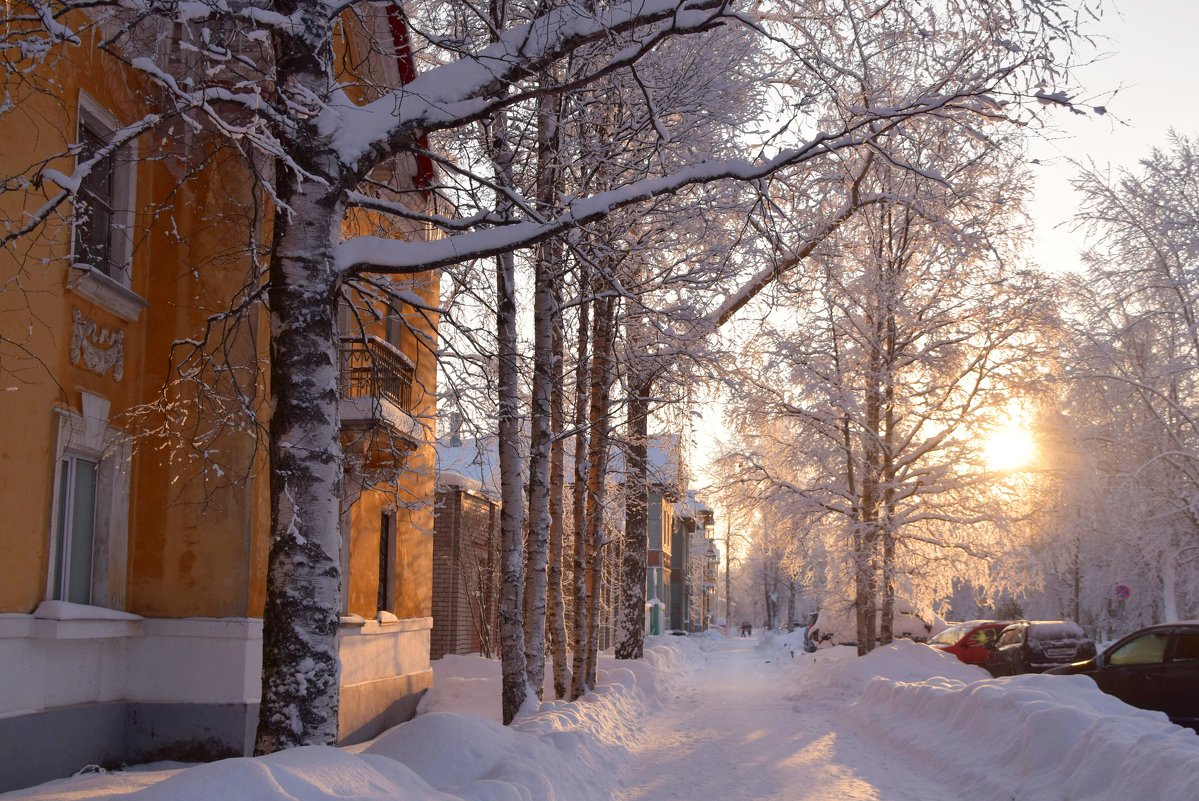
x: 693, y: 564
x: 667, y: 478
x: 466, y: 550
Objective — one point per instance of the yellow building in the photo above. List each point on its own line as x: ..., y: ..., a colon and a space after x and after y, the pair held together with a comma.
x: 133, y: 483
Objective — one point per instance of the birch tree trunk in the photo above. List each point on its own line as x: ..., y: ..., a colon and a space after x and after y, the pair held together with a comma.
x: 546, y: 373
x: 792, y: 603
x: 578, y: 682
x: 300, y: 620
x: 868, y: 563
x: 512, y: 561
x: 602, y: 376
x: 512, y: 646
x: 555, y: 600
x: 549, y: 184
x: 1169, y: 583
x: 866, y: 582
x: 539, y: 474
x: 630, y: 632
x: 886, y: 627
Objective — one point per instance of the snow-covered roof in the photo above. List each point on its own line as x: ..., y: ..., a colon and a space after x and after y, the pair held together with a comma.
x: 472, y: 465
x: 664, y: 456
x: 691, y: 506
x: 664, y: 462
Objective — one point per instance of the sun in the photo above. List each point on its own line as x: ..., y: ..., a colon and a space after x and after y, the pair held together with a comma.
x: 1011, y: 447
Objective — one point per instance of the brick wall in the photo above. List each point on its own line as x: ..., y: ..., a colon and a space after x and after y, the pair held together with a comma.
x: 465, y: 565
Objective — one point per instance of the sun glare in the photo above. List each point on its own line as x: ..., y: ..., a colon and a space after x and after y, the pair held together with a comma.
x: 1010, y: 448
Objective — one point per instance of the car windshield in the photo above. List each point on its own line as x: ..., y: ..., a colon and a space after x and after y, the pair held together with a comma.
x: 949, y: 636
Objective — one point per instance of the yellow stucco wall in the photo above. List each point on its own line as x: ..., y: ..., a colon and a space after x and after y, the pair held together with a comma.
x: 410, y: 497
x: 197, y: 537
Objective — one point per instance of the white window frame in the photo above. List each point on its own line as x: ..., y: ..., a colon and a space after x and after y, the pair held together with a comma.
x: 113, y: 292
x: 64, y: 518
x: 86, y: 435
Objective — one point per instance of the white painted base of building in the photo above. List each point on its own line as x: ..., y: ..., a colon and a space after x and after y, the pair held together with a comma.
x: 86, y: 685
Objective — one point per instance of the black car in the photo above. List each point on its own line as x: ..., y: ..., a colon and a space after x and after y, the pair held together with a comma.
x: 1155, y: 668
x: 1033, y: 646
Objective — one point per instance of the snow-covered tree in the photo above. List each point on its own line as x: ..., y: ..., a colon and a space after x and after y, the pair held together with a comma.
x: 276, y: 81
x: 886, y: 371
x: 1132, y: 406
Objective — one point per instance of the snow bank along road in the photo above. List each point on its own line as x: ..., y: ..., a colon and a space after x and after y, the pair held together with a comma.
x: 722, y: 720
x: 905, y: 723
x: 737, y: 729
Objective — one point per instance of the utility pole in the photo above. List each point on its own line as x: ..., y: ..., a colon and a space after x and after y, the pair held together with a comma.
x: 1078, y: 577
x: 1077, y: 565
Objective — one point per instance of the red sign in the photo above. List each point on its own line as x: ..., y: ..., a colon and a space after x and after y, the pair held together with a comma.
x: 1123, y: 592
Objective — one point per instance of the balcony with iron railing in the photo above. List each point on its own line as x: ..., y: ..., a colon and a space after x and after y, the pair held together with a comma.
x: 375, y: 384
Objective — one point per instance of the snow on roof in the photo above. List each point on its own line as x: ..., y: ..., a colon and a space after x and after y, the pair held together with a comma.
x: 664, y: 462
x: 692, y: 506
x: 473, y: 465
x: 452, y: 478
x: 665, y: 459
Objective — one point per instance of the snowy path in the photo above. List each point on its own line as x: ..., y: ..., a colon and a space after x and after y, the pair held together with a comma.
x: 729, y: 734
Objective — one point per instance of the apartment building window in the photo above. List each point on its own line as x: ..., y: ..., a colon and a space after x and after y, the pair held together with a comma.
x: 394, y: 328
x: 89, y: 523
x: 104, y: 212
x: 102, y: 234
x: 94, y: 234
x: 387, y: 562
x: 77, y: 479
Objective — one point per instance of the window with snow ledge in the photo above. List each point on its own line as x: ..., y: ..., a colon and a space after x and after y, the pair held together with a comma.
x: 102, y: 232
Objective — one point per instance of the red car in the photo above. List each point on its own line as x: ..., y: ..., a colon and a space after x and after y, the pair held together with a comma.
x: 970, y: 641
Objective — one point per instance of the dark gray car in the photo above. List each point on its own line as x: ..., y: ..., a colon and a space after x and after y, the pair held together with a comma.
x: 1033, y: 646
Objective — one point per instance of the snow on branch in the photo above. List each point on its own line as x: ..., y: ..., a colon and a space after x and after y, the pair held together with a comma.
x: 183, y: 12
x: 378, y: 254
x: 472, y: 87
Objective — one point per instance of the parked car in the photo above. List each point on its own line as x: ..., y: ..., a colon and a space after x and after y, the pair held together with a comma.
x: 971, y: 641
x: 1034, y: 646
x: 1154, y: 668
x: 836, y: 624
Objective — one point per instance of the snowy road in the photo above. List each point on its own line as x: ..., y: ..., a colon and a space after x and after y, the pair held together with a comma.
x: 731, y: 732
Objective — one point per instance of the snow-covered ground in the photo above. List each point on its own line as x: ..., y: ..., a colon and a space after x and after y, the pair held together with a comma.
x: 705, y: 717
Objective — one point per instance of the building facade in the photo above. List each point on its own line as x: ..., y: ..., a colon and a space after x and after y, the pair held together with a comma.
x: 693, y: 565
x: 132, y: 462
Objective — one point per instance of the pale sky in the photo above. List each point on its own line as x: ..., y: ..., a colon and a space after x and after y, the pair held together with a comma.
x: 1149, y: 54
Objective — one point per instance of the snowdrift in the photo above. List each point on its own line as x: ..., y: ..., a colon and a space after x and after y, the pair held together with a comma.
x: 836, y: 676
x: 1025, y: 738
x: 454, y: 750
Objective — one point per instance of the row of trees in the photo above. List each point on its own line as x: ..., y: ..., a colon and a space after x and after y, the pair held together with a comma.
x: 869, y: 438
x: 1124, y: 431
x: 875, y: 376
x: 655, y: 164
